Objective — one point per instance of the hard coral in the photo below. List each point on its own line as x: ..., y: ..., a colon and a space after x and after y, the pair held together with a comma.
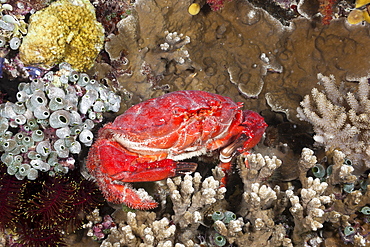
x: 65, y: 31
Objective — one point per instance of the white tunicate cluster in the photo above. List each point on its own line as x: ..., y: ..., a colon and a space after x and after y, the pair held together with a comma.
x: 12, y: 27
x: 52, y: 118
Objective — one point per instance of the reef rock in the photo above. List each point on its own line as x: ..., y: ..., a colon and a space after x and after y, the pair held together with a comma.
x: 66, y: 31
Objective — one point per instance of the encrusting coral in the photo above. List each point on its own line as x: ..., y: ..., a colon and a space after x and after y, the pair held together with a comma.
x: 341, y: 118
x: 65, y: 31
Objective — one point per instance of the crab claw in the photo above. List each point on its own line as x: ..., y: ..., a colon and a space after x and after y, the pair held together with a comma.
x: 123, y: 193
x: 113, y: 174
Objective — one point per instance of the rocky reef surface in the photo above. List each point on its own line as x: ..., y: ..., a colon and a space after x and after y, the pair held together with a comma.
x: 69, y: 66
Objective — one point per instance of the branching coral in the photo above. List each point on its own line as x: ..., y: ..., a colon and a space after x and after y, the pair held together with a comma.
x: 318, y: 201
x: 267, y: 214
x: 261, y: 203
x: 341, y: 118
x: 191, y: 198
x: 65, y: 31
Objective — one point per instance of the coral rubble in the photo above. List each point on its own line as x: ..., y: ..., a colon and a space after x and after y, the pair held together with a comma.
x: 65, y: 31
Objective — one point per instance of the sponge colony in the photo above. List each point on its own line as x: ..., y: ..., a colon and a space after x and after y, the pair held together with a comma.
x: 66, y: 31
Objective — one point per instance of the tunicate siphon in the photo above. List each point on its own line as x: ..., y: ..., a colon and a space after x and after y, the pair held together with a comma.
x: 86, y: 137
x: 64, y: 132
x: 56, y: 103
x: 41, y: 112
x: 27, y: 141
x: 14, y: 43
x: 43, y: 148
x: 38, y: 135
x: 59, y: 119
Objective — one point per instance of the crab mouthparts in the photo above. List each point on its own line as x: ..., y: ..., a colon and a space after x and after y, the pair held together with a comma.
x: 227, y: 153
x: 183, y: 168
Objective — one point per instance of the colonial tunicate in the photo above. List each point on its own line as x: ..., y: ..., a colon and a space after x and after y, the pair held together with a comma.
x: 37, y: 135
x: 86, y: 137
x: 59, y: 119
x: 218, y: 215
x: 51, y: 124
x: 14, y: 43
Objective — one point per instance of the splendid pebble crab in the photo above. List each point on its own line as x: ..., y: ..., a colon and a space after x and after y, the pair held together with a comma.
x: 151, y: 139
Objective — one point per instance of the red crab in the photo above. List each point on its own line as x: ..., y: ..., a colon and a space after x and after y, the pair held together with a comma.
x: 147, y: 142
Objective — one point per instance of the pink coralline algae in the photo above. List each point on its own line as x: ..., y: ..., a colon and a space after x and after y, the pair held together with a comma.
x: 217, y: 4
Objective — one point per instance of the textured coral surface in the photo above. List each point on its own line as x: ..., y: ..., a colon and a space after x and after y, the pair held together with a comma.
x: 305, y: 184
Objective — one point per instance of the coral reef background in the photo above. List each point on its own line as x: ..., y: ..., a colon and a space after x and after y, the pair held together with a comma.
x: 307, y: 183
